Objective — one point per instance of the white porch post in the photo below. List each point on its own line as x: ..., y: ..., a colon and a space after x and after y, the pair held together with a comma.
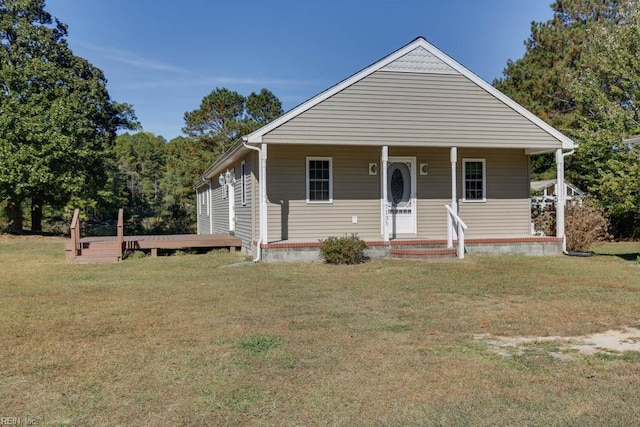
x: 454, y: 195
x: 263, y: 194
x: 561, y: 199
x: 384, y: 166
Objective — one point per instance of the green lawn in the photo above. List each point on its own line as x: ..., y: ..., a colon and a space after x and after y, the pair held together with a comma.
x: 187, y: 340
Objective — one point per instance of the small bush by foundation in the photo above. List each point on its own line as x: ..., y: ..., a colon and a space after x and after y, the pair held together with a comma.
x: 343, y: 250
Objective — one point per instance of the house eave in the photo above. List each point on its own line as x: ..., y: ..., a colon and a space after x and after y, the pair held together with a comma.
x: 229, y: 157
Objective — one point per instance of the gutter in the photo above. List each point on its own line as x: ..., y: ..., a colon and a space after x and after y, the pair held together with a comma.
x: 262, y: 185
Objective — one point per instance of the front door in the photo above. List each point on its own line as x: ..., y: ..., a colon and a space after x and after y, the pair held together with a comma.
x: 401, y: 196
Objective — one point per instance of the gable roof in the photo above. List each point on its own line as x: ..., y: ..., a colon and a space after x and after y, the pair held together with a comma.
x: 417, y: 56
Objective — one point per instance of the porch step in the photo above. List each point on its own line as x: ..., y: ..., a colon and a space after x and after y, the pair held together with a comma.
x: 421, y: 253
x: 98, y: 252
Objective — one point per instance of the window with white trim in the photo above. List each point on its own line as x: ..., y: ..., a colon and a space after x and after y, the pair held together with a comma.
x: 243, y: 184
x: 474, y: 178
x: 319, y: 180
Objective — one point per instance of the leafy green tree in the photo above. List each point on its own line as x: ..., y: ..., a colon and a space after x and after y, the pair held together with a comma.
x: 186, y: 160
x: 581, y: 73
x: 543, y: 79
x: 226, y: 115
x: 57, y: 121
x: 608, y: 92
x: 140, y: 160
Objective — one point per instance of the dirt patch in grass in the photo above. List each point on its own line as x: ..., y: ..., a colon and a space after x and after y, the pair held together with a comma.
x: 612, y: 342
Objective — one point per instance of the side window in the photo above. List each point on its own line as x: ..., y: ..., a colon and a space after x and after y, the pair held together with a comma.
x: 474, y: 180
x: 319, y: 180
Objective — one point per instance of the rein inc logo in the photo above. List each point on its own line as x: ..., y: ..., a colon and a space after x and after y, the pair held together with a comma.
x: 18, y: 421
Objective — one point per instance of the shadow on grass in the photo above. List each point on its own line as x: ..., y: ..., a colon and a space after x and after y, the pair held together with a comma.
x: 628, y: 251
x: 632, y: 256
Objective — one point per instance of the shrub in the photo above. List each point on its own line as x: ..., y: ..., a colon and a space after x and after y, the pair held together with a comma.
x: 343, y: 250
x: 585, y: 225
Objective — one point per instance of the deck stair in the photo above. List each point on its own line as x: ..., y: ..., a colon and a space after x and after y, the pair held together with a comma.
x: 95, y: 250
x: 421, y: 250
x: 99, y: 252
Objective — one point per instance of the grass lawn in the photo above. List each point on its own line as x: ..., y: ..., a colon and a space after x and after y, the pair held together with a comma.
x: 186, y: 340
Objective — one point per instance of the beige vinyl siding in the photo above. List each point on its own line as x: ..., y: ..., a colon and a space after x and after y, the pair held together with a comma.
x: 355, y: 193
x: 413, y: 109
x: 244, y: 224
x: 507, y: 210
x: 220, y: 208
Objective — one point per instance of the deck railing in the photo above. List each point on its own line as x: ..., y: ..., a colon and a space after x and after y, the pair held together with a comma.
x: 453, y: 220
x: 75, y: 232
x: 120, y: 230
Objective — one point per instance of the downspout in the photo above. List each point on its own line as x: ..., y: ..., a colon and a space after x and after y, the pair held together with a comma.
x: 562, y: 196
x: 262, y: 198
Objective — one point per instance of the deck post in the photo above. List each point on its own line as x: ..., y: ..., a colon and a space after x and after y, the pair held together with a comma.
x: 75, y: 233
x: 120, y: 231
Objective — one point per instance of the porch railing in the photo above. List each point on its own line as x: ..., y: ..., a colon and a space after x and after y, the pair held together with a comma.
x: 453, y: 220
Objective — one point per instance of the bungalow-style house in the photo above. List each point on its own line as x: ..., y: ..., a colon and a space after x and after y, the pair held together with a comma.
x: 415, y: 154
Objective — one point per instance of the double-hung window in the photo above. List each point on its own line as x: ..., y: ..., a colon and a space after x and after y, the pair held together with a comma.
x: 319, y: 180
x: 474, y: 180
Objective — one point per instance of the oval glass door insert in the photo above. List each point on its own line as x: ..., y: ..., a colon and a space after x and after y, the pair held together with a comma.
x: 397, y: 186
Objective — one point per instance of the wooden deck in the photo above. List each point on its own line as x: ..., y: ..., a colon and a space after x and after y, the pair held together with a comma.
x: 111, y: 248
x: 170, y: 241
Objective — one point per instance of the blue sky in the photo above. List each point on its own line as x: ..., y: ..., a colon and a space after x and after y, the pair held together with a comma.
x: 163, y: 56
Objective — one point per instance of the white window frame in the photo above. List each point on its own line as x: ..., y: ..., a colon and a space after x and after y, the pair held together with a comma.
x: 330, y: 160
x: 243, y: 184
x: 199, y: 202
x: 464, y: 180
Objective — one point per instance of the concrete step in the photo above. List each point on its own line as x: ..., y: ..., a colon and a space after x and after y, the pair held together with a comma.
x: 422, y: 253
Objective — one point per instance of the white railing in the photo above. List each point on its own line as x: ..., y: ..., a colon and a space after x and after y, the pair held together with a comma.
x: 454, y: 220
